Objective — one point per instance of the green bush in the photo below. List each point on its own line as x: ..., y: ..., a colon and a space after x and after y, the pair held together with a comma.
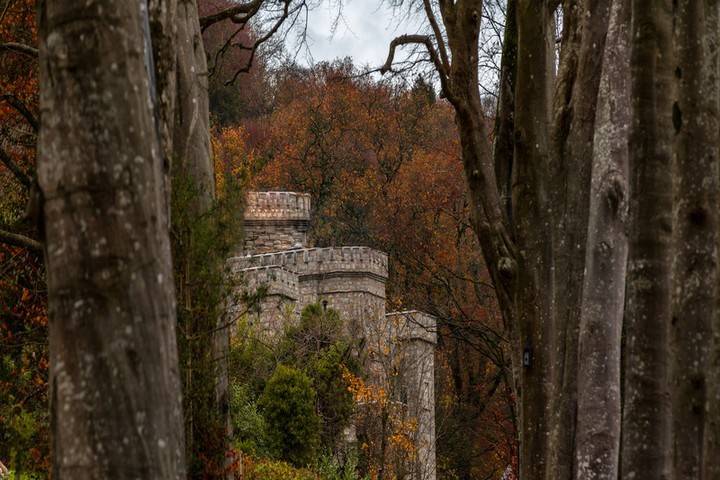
x: 251, y: 360
x: 289, y: 399
x: 329, y: 468
x: 288, y: 405
x: 335, y: 402
x: 249, y: 427
x: 317, y: 330
x: 274, y: 470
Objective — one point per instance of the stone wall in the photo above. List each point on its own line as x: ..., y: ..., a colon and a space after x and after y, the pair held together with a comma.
x: 321, y: 260
x: 275, y: 221
x: 278, y: 306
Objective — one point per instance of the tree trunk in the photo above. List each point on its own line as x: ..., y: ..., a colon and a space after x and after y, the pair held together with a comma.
x: 114, y: 385
x: 531, y: 299
x: 599, y: 413
x: 695, y: 121
x: 191, y: 138
x: 646, y: 403
x: 163, y: 19
x: 505, y: 116
x: 192, y: 152
x: 568, y: 188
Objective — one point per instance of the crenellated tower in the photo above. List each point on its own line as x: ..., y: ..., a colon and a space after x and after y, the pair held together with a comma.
x: 275, y: 221
x: 277, y: 257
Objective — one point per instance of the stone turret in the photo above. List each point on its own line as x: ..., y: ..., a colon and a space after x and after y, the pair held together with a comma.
x: 417, y: 334
x: 276, y: 256
x: 275, y: 221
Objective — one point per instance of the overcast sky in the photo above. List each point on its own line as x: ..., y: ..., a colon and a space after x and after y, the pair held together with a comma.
x: 364, y: 32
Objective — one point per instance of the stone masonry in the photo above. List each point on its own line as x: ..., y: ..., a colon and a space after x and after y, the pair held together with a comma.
x: 276, y: 255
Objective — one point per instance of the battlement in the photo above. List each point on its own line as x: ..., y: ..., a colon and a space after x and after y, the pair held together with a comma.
x: 277, y: 206
x: 276, y: 252
x: 414, y: 325
x: 279, y: 280
x: 321, y: 261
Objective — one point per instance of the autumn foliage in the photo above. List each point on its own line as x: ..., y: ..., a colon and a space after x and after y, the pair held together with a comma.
x: 382, y: 164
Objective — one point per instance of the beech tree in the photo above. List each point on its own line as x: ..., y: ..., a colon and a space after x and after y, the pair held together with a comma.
x: 115, y: 389
x: 578, y: 203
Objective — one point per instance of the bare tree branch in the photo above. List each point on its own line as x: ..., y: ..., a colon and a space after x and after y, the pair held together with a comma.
x: 18, y: 240
x: 418, y: 40
x: 20, y: 48
x: 238, y: 14
x: 438, y: 35
x: 12, y: 166
x: 408, y: 40
x: 18, y: 105
x: 253, y: 49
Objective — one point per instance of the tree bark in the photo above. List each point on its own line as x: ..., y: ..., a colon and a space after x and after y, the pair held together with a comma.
x: 585, y: 26
x: 599, y: 413
x: 192, y: 152
x: 163, y: 31
x: 191, y: 135
x: 505, y: 116
x: 646, y: 403
x: 114, y: 385
x: 695, y: 122
x: 531, y: 299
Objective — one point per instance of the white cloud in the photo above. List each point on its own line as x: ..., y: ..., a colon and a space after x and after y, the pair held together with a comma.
x: 363, y: 32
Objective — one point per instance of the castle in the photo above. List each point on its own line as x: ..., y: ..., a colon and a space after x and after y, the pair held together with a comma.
x: 277, y: 254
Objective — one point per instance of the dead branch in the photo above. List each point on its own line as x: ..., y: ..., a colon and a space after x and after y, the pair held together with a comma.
x: 438, y: 35
x: 253, y: 49
x: 409, y: 40
x: 426, y: 41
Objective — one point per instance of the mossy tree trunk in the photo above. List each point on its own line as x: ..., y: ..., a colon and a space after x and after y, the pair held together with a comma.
x: 184, y: 122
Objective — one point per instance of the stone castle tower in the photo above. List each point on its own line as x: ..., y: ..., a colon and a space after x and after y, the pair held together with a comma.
x: 278, y: 255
